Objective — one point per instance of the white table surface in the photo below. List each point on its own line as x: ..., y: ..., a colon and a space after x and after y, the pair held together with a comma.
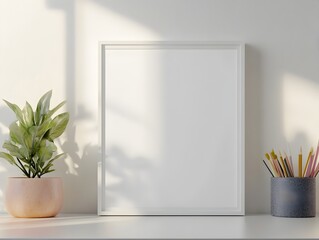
x: 66, y: 226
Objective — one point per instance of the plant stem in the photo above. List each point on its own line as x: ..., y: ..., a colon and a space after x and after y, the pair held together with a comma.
x: 34, y: 166
x: 25, y: 173
x: 23, y: 169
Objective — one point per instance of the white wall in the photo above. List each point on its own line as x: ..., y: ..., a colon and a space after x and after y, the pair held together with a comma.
x: 52, y: 44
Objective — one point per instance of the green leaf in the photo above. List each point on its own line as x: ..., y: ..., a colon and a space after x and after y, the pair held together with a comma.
x: 25, y: 160
x: 33, y: 131
x: 59, y: 124
x: 21, y: 136
x: 32, y: 135
x: 43, y: 128
x: 46, y: 151
x: 32, y: 169
x: 50, y: 170
x: 57, y: 156
x: 28, y: 140
x: 42, y: 107
x: 16, y: 110
x: 16, y: 133
x: 35, y: 159
x: 47, y: 167
x: 51, y: 112
x: 7, y: 157
x: 28, y: 115
x: 25, y: 152
x: 13, y: 149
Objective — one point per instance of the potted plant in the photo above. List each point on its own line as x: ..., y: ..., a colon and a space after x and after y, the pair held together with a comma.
x: 31, y: 148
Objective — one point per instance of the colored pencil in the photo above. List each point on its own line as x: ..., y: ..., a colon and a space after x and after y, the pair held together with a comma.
x: 290, y: 160
x: 291, y: 171
x: 315, y: 165
x: 281, y: 165
x: 271, y: 164
x: 276, y: 162
x: 288, y: 171
x: 307, y: 163
x: 268, y: 168
x: 309, y: 166
x: 300, y: 163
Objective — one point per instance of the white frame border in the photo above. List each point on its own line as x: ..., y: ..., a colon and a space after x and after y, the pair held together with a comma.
x: 240, y: 47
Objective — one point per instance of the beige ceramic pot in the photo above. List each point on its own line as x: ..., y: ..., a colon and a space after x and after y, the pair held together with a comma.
x: 34, y: 197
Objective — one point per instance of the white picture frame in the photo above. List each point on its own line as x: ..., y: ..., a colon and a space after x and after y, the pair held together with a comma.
x: 171, y: 128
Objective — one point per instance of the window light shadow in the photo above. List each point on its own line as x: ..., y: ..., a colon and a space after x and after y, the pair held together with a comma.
x: 300, y: 118
x: 83, y: 150
x: 300, y: 115
x: 6, y: 118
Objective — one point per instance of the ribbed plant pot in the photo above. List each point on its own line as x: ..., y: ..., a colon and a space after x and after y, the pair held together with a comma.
x: 293, y: 197
x: 34, y: 197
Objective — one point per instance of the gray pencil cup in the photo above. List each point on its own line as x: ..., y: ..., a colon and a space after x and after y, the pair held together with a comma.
x: 293, y: 197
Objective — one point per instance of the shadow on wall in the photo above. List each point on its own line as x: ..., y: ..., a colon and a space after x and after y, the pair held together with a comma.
x: 253, y: 131
x: 80, y: 167
x: 7, y: 117
x: 125, y: 177
x: 158, y: 17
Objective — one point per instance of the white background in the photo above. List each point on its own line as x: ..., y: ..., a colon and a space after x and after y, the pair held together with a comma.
x: 53, y: 44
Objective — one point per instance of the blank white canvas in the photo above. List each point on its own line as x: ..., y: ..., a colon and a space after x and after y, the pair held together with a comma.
x: 172, y: 123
